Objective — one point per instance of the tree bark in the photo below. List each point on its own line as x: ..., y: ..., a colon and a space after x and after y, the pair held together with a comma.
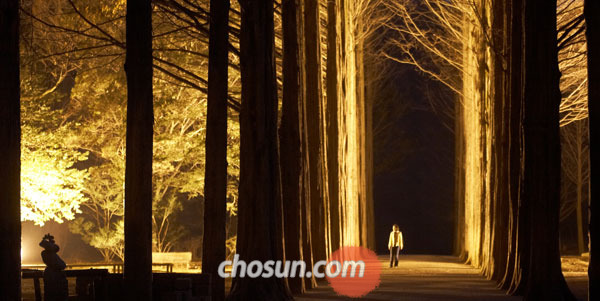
x: 215, y: 180
x: 138, y: 162
x: 579, y: 184
x: 333, y: 45
x: 313, y: 98
x: 10, y: 152
x: 459, y: 182
x: 541, y: 152
x: 517, y: 234
x: 305, y: 199
x: 500, y: 186
x: 290, y: 141
x: 591, y: 14
x: 260, y: 233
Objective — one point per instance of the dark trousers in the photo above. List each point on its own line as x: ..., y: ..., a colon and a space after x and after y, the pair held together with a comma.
x: 394, y: 254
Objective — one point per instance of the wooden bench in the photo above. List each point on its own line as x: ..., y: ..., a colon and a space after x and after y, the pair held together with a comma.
x: 177, y: 259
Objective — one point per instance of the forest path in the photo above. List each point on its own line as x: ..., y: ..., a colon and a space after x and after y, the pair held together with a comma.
x: 424, y: 277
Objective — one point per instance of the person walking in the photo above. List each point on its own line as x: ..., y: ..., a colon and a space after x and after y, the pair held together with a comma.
x: 395, y: 244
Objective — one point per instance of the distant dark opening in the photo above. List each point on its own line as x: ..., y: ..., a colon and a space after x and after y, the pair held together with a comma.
x: 414, y: 163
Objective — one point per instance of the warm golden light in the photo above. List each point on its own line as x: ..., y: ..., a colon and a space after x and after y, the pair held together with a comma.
x: 50, y: 189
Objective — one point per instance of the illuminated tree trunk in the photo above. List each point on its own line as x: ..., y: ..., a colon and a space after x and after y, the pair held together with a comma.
x: 368, y: 158
x: 541, y: 152
x: 592, y: 13
x: 474, y: 135
x: 305, y: 196
x: 10, y: 152
x: 215, y: 180
x: 349, y: 111
x: 290, y: 144
x: 365, y: 205
x: 260, y: 232
x: 138, y: 162
x: 313, y: 97
x: 459, y: 174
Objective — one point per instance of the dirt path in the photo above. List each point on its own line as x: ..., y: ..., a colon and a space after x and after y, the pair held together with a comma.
x: 420, y: 277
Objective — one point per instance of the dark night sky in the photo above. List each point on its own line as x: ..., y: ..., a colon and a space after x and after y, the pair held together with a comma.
x: 418, y: 194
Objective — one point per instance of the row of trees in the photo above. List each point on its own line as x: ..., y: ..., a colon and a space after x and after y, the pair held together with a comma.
x: 160, y: 156
x: 504, y: 59
x: 74, y: 131
x: 320, y: 155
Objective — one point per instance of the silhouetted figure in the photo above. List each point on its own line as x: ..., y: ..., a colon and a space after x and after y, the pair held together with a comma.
x: 395, y: 244
x: 56, y: 287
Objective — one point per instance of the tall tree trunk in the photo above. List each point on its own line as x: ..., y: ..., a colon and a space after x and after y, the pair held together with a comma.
x: 592, y: 16
x: 541, y: 151
x: 518, y: 254
x: 500, y: 191
x: 138, y: 160
x: 459, y: 182
x: 215, y: 180
x: 290, y: 141
x: 368, y: 141
x: 10, y: 152
x: 305, y: 199
x: 260, y: 233
x: 333, y: 93
x: 579, y: 184
x: 313, y: 98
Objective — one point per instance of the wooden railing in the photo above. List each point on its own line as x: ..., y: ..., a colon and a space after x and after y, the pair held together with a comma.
x: 98, y: 284
x: 115, y: 267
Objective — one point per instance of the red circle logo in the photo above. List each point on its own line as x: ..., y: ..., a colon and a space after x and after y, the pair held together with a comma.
x: 353, y: 271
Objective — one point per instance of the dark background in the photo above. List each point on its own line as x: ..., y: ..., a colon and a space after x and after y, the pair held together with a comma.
x: 417, y: 190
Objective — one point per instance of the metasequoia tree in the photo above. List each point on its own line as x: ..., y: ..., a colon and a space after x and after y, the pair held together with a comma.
x: 572, y: 61
x: 574, y: 113
x: 92, y: 118
x: 313, y: 96
x: 575, y: 177
x: 215, y: 174
x: 541, y: 151
x: 10, y: 135
x: 498, y: 194
x: 137, y: 270
x: 290, y: 140
x: 353, y: 202
x: 260, y: 216
x: 591, y: 13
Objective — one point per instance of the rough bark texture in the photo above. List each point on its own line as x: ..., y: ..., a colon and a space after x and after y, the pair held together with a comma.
x: 518, y: 250
x: 10, y: 152
x: 305, y: 199
x: 290, y: 146
x: 215, y: 180
x: 541, y: 151
x: 592, y: 16
x: 138, y: 162
x: 260, y: 233
x: 333, y: 92
x: 500, y: 188
x: 313, y: 97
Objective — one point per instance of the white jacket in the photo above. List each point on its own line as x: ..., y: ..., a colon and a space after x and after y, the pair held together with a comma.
x: 396, y: 240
